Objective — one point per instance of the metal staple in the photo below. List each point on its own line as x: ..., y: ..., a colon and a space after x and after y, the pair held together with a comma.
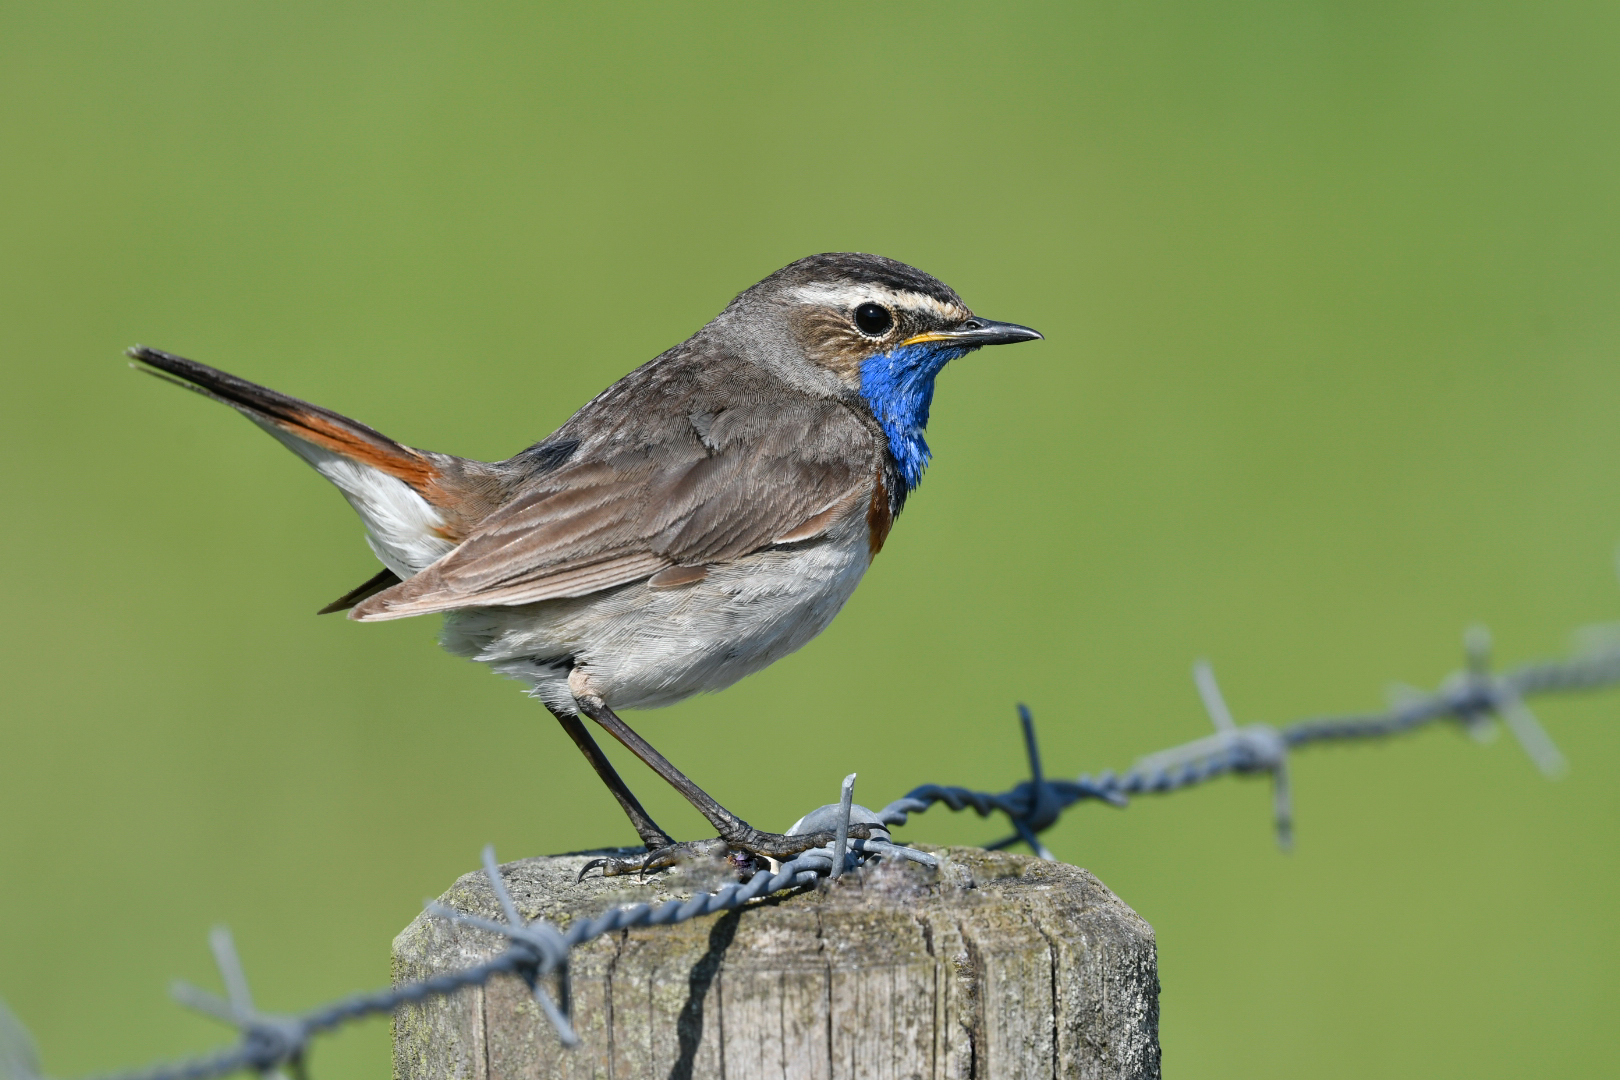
x: 275, y: 1046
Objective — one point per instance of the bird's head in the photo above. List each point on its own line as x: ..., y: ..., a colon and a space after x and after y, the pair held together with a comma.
x: 874, y: 329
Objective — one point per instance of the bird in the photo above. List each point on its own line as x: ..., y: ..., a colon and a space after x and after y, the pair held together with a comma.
x: 701, y: 518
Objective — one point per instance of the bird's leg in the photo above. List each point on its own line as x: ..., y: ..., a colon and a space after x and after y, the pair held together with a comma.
x: 646, y: 828
x: 735, y: 833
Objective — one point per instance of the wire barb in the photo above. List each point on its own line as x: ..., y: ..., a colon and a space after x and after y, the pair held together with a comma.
x: 846, y: 800
x: 19, y: 1060
x: 1214, y: 702
x: 547, y: 952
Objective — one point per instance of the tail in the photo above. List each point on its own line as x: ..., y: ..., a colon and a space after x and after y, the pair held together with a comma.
x: 398, y: 492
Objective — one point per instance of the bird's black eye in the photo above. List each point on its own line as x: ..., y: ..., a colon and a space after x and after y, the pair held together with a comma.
x: 873, y: 320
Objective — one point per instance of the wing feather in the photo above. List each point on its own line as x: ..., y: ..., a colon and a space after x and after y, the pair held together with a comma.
x: 683, y: 483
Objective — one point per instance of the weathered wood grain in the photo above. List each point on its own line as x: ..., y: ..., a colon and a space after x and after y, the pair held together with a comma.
x: 998, y: 966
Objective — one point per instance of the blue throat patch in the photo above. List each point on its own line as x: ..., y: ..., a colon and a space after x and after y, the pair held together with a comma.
x: 899, y: 387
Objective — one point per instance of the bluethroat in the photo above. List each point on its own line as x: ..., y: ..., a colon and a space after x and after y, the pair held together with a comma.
x: 701, y: 518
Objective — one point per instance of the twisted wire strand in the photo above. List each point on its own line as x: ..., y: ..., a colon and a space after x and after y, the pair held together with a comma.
x: 1472, y: 697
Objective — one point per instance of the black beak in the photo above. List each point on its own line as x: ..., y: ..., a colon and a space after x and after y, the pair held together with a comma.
x: 977, y: 331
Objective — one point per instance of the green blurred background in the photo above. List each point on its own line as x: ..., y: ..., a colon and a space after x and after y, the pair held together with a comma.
x: 1330, y: 298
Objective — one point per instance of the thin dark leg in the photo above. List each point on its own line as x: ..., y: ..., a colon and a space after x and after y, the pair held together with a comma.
x: 722, y: 819
x: 734, y: 831
x: 651, y: 835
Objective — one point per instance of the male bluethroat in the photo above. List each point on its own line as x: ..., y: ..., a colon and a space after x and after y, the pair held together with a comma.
x: 699, y: 519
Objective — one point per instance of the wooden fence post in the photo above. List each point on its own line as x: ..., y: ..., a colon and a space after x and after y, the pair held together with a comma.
x: 998, y: 966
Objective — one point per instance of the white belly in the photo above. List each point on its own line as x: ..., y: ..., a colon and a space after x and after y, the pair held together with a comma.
x: 643, y: 648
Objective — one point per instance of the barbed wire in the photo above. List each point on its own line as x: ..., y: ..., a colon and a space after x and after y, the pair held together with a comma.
x: 537, y: 952
x: 1474, y: 697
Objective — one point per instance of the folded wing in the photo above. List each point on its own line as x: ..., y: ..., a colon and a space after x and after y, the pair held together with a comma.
x: 688, y: 486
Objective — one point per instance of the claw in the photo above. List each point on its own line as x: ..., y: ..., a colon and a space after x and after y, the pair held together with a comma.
x: 754, y: 843
x: 661, y: 859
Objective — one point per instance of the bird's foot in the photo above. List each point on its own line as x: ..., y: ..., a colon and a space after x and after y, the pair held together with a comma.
x: 661, y: 859
x: 744, y: 849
